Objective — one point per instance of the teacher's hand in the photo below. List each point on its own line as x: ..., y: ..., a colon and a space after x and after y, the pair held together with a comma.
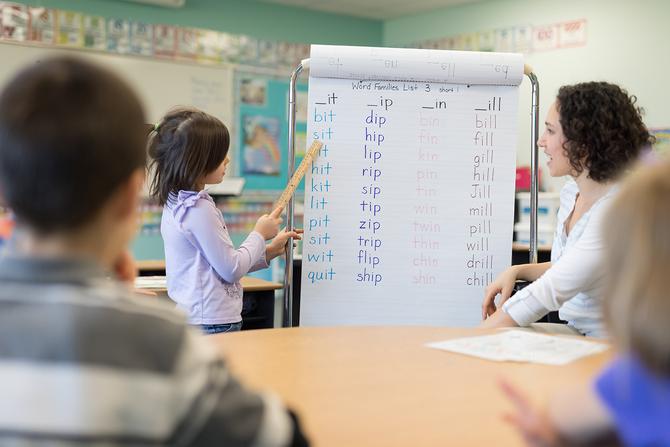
x: 503, y: 285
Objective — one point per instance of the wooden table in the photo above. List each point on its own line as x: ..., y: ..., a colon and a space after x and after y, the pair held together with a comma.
x: 379, y: 386
x: 249, y: 284
x: 259, y: 301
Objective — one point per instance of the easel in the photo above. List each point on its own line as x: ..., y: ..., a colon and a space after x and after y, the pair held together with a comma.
x: 287, y: 320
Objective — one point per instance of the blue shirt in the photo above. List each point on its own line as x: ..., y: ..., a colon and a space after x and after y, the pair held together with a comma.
x: 203, y: 267
x: 638, y: 401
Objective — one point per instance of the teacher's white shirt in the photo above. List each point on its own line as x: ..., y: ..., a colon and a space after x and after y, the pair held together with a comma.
x: 573, y: 284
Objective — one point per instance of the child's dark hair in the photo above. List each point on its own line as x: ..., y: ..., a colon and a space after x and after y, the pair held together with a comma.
x: 603, y: 128
x: 70, y: 134
x: 186, y: 145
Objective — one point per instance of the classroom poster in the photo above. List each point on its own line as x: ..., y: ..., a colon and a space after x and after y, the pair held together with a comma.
x: 545, y: 37
x: 254, y: 91
x: 288, y: 55
x: 13, y: 21
x: 434, y: 44
x: 165, y: 41
x: 266, y: 99
x: 210, y: 46
x: 523, y: 39
x: 572, y: 33
x: 230, y: 48
x: 141, y: 38
x: 487, y: 40
x: 504, y: 40
x: 459, y: 42
x: 261, y: 153
x: 118, y: 36
x: 267, y: 52
x: 520, y: 39
x: 95, y: 32
x: 450, y: 43
x: 470, y: 42
x: 187, y: 43
x: 42, y: 25
x: 247, y: 50
x: 70, y: 29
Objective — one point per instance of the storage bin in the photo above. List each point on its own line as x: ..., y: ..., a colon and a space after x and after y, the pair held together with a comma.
x: 545, y: 234
x: 548, y: 204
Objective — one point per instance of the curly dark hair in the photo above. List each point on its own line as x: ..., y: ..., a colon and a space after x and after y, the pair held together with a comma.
x: 603, y: 128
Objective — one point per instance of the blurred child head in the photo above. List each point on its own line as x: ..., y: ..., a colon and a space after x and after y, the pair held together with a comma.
x: 637, y: 237
x: 187, y: 148
x: 603, y: 128
x: 72, y: 150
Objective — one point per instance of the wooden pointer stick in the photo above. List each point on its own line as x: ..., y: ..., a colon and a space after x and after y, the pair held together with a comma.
x: 298, y: 174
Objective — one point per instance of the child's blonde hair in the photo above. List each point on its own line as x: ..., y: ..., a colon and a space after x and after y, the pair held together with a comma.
x: 637, y: 236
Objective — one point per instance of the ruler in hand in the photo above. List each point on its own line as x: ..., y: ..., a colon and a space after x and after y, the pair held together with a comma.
x: 298, y: 175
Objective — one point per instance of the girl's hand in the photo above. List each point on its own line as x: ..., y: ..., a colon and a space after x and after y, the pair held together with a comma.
x: 534, y: 424
x: 268, y: 224
x: 278, y: 244
x: 503, y: 285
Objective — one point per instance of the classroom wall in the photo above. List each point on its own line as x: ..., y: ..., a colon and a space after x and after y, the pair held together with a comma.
x: 256, y: 19
x: 626, y: 44
x: 626, y: 39
x: 248, y: 17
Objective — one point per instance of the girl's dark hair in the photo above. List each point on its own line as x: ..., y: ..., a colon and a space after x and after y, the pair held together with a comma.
x: 603, y: 128
x: 186, y: 144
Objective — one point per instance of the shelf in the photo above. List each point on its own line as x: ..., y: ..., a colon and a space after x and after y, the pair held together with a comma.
x: 516, y: 246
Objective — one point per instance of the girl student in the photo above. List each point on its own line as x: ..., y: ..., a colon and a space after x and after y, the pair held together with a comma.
x: 593, y: 132
x: 629, y: 402
x: 189, y: 150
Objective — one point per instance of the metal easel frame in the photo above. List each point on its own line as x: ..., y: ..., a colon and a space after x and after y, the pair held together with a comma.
x: 287, y: 320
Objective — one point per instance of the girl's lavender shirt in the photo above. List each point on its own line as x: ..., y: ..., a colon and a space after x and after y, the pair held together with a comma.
x: 203, y: 267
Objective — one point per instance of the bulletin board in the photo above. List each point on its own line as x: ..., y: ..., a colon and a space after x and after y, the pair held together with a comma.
x: 262, y: 130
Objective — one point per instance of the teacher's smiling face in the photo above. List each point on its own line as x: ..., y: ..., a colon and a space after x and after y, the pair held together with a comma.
x: 552, y: 141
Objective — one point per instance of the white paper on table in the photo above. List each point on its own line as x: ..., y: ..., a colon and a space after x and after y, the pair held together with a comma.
x: 522, y: 346
x: 150, y: 282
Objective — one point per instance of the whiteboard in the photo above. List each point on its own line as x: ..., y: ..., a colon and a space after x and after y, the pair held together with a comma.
x: 161, y: 85
x: 409, y: 206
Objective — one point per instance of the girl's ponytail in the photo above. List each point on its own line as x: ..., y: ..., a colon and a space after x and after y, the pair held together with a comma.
x: 185, y: 145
